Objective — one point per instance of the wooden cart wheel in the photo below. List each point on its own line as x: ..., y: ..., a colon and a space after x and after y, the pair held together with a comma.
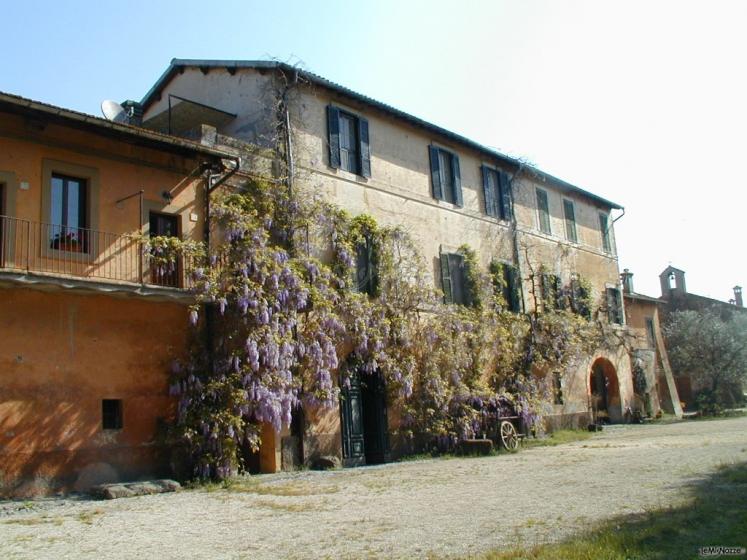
x: 509, y: 437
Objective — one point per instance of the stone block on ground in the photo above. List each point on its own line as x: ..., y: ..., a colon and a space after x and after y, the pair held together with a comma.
x: 130, y: 489
x: 326, y: 462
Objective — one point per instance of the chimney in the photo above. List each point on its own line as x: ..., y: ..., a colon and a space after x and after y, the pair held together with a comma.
x: 627, y: 281
x: 738, y: 296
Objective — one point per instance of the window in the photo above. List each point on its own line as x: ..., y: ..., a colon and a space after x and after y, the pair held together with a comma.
x: 570, y: 221
x: 349, y: 146
x: 543, y: 211
x: 650, y: 334
x: 551, y: 292
x: 580, y: 298
x: 68, y: 214
x: 454, y: 279
x: 605, y: 231
x: 445, y: 178
x: 557, y: 385
x: 111, y: 414
x: 508, y: 283
x: 168, y: 273
x: 497, y: 192
x: 366, y: 274
x: 614, y: 306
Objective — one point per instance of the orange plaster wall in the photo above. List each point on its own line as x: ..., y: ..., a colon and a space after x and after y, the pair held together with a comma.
x: 123, y: 168
x: 60, y: 355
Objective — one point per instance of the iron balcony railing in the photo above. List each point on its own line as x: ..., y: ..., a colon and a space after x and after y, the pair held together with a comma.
x: 55, y: 250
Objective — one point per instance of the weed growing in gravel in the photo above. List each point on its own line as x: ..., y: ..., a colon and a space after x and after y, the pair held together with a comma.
x: 715, y: 515
x: 558, y: 437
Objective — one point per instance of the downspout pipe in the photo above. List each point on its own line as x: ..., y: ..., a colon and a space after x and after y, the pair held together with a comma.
x: 210, y: 187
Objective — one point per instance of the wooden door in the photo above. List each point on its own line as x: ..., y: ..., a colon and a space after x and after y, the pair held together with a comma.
x: 165, y: 225
x: 375, y: 421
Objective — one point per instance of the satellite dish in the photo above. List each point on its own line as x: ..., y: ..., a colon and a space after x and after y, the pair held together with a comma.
x: 114, y: 112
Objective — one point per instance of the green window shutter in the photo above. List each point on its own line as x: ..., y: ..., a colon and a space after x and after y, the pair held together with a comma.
x: 515, y: 278
x: 435, y: 174
x: 604, y: 229
x: 543, y: 211
x: 333, y: 128
x: 489, y: 191
x: 614, y: 306
x: 559, y: 293
x: 457, y: 180
x: 504, y: 188
x: 570, y: 221
x: 446, y: 278
x: 364, y: 147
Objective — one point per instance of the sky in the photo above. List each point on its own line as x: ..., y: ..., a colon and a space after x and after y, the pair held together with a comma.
x: 643, y: 103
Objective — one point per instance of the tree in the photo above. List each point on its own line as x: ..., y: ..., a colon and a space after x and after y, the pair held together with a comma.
x: 712, y: 350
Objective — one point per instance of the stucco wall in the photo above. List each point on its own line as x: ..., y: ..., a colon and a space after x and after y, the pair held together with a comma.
x: 60, y: 355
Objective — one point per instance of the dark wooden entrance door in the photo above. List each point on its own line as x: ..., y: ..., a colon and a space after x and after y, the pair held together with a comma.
x: 351, y: 418
x: 365, y: 436
x: 375, y: 422
x: 599, y: 388
x: 165, y: 225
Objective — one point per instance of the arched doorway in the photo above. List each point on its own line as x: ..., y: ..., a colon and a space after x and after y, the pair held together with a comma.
x: 604, y: 392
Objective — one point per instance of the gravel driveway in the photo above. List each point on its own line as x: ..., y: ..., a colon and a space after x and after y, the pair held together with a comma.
x: 413, y: 509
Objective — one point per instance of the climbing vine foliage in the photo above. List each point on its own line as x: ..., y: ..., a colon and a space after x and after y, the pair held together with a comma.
x: 291, y: 317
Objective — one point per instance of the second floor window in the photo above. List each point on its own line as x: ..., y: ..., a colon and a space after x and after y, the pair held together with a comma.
x: 543, y: 212
x: 349, y: 146
x: 69, y: 213
x: 446, y: 180
x: 605, y: 231
x: 497, y: 190
x: 570, y: 221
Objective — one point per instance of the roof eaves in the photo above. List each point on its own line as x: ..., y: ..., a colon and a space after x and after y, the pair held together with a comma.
x: 106, y: 125
x: 177, y: 63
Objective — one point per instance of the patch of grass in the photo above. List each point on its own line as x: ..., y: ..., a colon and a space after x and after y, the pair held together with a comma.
x: 43, y: 520
x: 287, y: 507
x: 558, y: 437
x: 88, y: 516
x: 714, y: 516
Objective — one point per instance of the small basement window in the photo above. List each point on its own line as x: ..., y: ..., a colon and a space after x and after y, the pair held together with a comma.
x: 111, y: 414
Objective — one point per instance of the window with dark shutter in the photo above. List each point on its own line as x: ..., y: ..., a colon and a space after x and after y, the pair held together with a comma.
x: 504, y: 193
x: 614, y: 306
x: 511, y: 288
x: 550, y: 287
x: 496, y: 191
x: 605, y: 231
x: 579, y: 297
x: 650, y: 334
x: 557, y: 382
x: 366, y: 274
x: 490, y: 189
x: 333, y: 128
x: 349, y: 144
x: 446, y: 179
x: 543, y: 211
x: 454, y: 279
x: 570, y: 221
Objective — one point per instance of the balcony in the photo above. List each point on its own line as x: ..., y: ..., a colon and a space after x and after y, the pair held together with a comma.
x: 60, y: 252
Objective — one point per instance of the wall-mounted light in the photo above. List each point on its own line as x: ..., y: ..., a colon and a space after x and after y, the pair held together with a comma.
x: 167, y: 196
